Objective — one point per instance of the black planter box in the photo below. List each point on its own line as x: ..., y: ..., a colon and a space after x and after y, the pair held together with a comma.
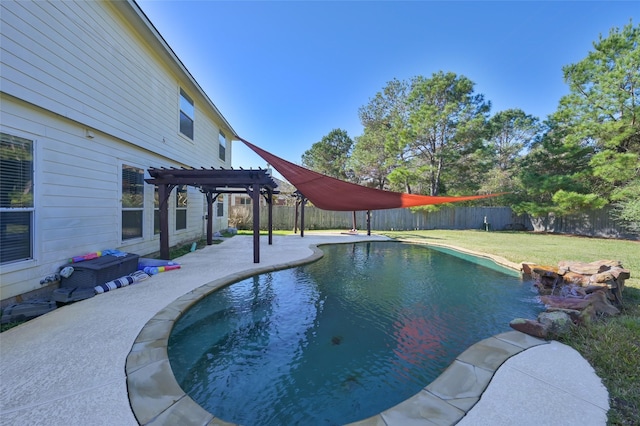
x: 91, y: 273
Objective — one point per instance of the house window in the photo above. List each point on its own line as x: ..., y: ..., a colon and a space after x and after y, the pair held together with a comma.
x: 132, y: 202
x: 181, y: 207
x: 245, y: 201
x: 186, y: 115
x: 222, y: 147
x: 16, y: 199
x: 220, y: 206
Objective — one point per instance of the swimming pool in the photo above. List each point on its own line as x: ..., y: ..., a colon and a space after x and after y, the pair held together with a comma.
x: 342, y: 339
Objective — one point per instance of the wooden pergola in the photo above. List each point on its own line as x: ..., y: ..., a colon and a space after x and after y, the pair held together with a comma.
x: 213, y: 182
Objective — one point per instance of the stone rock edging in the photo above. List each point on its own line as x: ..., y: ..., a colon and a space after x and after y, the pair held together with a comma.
x: 574, y: 293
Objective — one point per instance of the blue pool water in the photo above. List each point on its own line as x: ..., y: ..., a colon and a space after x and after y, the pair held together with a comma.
x: 342, y: 339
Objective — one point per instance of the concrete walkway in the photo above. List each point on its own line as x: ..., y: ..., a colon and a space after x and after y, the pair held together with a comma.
x: 68, y: 366
x: 546, y: 385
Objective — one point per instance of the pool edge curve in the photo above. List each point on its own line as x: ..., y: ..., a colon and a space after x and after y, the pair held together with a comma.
x: 156, y: 398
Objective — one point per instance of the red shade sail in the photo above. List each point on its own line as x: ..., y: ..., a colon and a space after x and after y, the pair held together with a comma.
x: 333, y: 194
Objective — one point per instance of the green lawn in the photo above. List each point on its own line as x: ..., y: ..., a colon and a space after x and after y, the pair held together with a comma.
x: 544, y: 249
x: 610, y: 344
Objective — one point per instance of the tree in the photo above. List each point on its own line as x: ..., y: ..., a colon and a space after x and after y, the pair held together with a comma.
x: 378, y: 152
x: 603, y: 106
x: 590, y: 155
x: 330, y: 155
x: 445, y: 125
x: 553, y: 165
x: 627, y: 209
x: 432, y: 131
x: 369, y: 160
x: 602, y: 110
x: 606, y: 93
x: 510, y: 134
x: 388, y: 108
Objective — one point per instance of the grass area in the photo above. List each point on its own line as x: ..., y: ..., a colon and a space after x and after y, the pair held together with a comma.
x: 183, y: 249
x: 9, y: 325
x: 544, y: 249
x: 610, y: 344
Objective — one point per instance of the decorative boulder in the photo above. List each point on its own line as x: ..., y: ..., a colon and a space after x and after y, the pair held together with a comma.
x: 555, y: 322
x: 574, y: 293
x: 530, y: 327
x: 606, y: 275
x: 596, y: 299
x: 591, y: 268
x: 601, y: 303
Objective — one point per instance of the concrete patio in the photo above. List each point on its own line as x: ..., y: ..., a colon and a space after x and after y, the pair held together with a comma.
x: 90, y: 362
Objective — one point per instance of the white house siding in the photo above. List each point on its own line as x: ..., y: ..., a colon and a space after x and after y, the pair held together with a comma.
x: 78, y: 60
x: 69, y: 68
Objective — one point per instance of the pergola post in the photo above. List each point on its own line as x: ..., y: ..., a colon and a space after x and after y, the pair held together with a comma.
x: 368, y: 222
x: 302, y: 202
x: 209, y: 218
x: 270, y: 203
x: 255, y: 199
x: 295, y: 222
x: 163, y: 196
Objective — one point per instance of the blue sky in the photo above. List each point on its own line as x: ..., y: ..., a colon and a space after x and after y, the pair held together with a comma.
x: 285, y: 74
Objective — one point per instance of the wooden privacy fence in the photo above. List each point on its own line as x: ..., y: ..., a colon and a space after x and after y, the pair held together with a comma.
x: 497, y: 218
x: 594, y: 223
